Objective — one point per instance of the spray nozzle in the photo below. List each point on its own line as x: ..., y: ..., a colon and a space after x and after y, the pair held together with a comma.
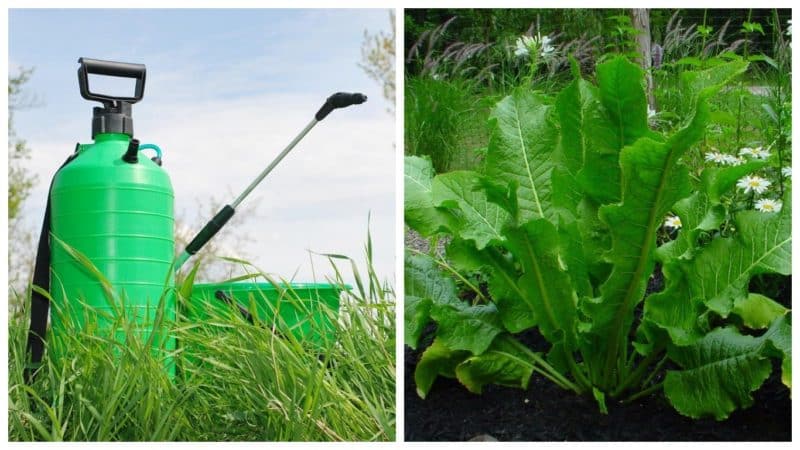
x: 339, y: 100
x: 131, y: 155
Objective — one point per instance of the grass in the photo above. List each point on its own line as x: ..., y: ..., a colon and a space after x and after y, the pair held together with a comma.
x: 445, y: 120
x: 235, y: 380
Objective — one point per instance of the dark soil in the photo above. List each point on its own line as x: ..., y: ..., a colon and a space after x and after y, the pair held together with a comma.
x: 545, y: 412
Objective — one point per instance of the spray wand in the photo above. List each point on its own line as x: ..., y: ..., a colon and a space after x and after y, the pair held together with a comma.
x: 335, y: 101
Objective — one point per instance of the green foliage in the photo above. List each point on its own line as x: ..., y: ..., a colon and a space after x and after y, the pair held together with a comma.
x: 235, y: 380
x: 562, y: 221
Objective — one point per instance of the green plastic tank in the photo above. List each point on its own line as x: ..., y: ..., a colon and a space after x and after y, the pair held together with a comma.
x: 306, y: 310
x: 115, y: 208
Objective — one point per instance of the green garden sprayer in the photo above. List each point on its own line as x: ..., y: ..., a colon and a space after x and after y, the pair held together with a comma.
x: 108, y: 229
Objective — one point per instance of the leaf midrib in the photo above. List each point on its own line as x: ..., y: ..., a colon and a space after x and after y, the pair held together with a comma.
x: 540, y: 282
x: 525, y: 158
x: 424, y: 187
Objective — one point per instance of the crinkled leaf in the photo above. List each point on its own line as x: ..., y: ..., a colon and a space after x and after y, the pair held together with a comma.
x: 673, y: 311
x: 464, y: 256
x: 515, y: 310
x: 779, y: 345
x: 435, y: 361
x: 653, y: 179
x: 417, y: 316
x: 596, y: 240
x: 425, y: 284
x: 504, y: 363
x: 566, y: 192
x: 545, y: 282
x: 521, y: 147
x: 721, y: 272
x: 573, y: 257
x: 719, y: 181
x: 697, y: 81
x: 697, y: 216
x: 718, y: 374
x: 477, y: 218
x: 617, y: 121
x: 503, y: 195
x: 515, y: 313
x: 424, y: 279
x: 577, y: 106
x: 757, y: 311
x: 420, y: 214
x: 464, y: 327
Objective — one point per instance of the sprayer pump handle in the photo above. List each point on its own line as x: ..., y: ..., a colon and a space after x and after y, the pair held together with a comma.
x: 114, y: 69
x: 339, y: 100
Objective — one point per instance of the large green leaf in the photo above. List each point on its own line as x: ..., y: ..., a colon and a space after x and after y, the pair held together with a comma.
x: 464, y: 327
x: 675, y: 312
x: 698, y: 215
x: 718, y: 181
x: 477, y: 218
x: 779, y: 345
x: 613, y: 120
x: 578, y: 108
x: 521, y: 148
x: 621, y: 84
x: 545, y: 282
x: 425, y: 284
x: 571, y: 250
x: 596, y: 240
x: 417, y: 315
x: 757, y: 311
x: 718, y: 374
x: 420, y: 214
x: 503, y: 363
x: 424, y: 279
x: 653, y: 179
x: 697, y: 81
x: 721, y: 272
x: 501, y: 274
x: 436, y: 360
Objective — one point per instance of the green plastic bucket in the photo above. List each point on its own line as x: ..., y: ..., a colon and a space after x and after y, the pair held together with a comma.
x: 306, y: 310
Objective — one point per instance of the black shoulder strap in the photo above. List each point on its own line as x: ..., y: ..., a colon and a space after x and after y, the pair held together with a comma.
x: 40, y: 305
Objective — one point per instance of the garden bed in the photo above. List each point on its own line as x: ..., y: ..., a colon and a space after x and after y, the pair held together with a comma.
x: 546, y: 413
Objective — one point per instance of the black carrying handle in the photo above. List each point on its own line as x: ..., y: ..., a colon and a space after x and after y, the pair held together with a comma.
x: 339, y: 100
x: 114, y: 69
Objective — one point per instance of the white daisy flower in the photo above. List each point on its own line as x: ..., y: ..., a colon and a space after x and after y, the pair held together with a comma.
x: 769, y: 205
x: 787, y: 171
x: 757, y: 153
x: 733, y: 160
x: 716, y: 157
x: 673, y: 222
x: 789, y: 28
x: 753, y: 184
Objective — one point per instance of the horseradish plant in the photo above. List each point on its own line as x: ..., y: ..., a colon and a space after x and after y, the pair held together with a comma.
x: 560, y: 225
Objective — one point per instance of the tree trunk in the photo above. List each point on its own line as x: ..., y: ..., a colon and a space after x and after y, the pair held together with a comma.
x: 641, y: 21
